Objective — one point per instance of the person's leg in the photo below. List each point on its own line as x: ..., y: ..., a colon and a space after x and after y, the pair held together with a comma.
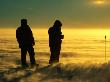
x: 57, y: 53
x: 57, y: 56
x: 51, y: 55
x: 31, y: 54
x: 23, y: 56
x: 54, y: 54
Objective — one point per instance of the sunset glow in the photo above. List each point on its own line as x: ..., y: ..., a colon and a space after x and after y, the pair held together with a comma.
x: 99, y: 2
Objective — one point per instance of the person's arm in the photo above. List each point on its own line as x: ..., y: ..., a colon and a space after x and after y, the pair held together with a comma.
x: 32, y: 38
x: 33, y: 41
x: 18, y: 37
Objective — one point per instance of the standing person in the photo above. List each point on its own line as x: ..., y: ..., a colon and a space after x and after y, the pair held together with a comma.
x: 55, y: 40
x: 26, y: 42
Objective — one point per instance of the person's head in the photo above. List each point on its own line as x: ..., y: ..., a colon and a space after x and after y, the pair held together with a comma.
x: 23, y: 22
x: 57, y: 23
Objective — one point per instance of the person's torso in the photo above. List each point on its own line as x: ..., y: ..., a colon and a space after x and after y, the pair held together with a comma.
x: 25, y: 35
x: 54, y: 36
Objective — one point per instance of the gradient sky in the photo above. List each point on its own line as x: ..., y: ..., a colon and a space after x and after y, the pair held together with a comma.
x: 42, y: 13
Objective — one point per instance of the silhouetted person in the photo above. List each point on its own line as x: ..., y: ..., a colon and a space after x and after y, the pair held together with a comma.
x: 55, y: 40
x: 26, y: 42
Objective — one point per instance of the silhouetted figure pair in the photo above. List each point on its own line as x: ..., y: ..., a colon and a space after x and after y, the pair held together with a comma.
x: 26, y: 42
x: 55, y: 40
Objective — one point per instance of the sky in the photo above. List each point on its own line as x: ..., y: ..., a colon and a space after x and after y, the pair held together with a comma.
x: 43, y: 13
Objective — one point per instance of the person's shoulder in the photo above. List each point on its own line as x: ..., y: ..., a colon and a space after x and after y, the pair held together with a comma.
x: 18, y: 28
x: 28, y: 27
x: 51, y: 28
